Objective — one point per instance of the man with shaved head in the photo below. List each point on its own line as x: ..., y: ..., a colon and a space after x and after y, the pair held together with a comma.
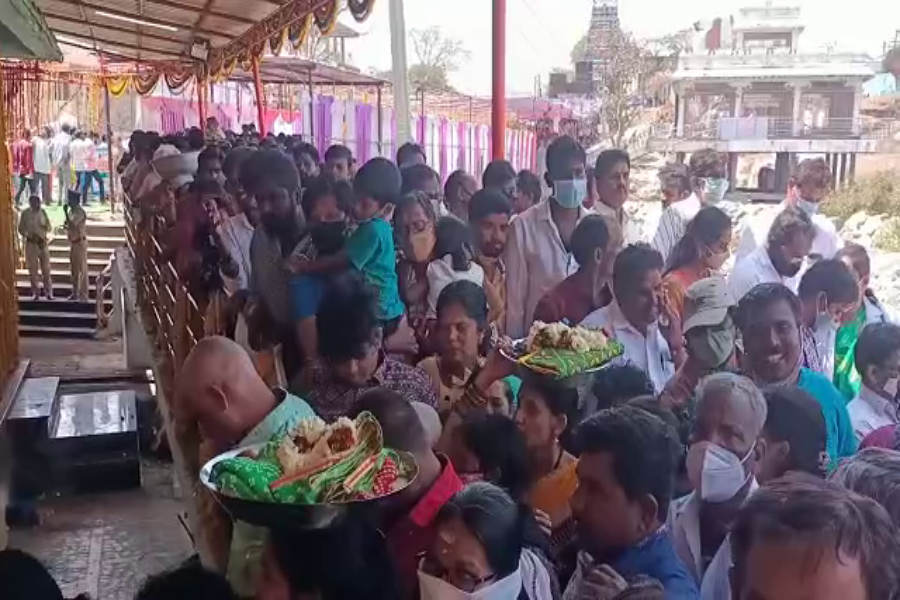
x: 725, y: 444
x: 220, y: 390
x: 232, y: 405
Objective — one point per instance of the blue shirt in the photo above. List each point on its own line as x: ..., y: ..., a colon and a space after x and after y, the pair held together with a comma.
x: 840, y: 441
x: 655, y: 557
x: 371, y: 252
x: 306, y: 293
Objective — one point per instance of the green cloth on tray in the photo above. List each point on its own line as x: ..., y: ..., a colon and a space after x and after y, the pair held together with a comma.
x: 567, y: 363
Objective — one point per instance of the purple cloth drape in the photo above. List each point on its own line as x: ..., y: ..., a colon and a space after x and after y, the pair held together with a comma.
x: 393, y: 144
x: 363, y: 132
x: 444, y: 137
x: 323, y: 122
x: 476, y: 162
x: 461, y: 145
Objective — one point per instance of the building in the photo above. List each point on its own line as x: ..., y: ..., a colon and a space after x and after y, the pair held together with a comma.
x: 604, y: 25
x: 750, y: 89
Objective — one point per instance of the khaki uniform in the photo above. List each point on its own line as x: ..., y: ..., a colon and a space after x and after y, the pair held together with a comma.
x: 76, y: 220
x: 34, y: 226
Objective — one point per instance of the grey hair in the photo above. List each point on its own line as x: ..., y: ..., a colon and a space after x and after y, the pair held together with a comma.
x: 874, y: 473
x: 738, y: 386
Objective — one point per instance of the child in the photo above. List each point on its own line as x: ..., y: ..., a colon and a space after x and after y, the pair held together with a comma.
x: 76, y: 220
x: 454, y: 260
x: 370, y: 249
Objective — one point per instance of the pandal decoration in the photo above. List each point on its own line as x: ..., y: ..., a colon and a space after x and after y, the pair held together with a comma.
x: 290, y: 22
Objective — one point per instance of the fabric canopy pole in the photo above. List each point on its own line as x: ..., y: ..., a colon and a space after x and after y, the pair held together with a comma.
x: 498, y: 96
x: 260, y: 97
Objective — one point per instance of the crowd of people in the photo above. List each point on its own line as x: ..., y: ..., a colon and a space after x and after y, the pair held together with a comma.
x: 73, y: 159
x: 718, y: 457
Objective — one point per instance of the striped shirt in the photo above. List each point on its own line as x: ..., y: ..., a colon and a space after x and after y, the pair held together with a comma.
x: 673, y: 223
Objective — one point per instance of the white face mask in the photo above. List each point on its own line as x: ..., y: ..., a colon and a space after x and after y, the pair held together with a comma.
x: 435, y: 588
x: 716, y: 472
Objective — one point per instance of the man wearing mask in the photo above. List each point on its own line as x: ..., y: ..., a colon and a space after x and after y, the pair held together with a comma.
x: 704, y: 183
x: 809, y: 186
x: 878, y: 362
x: 489, y: 214
x: 612, y: 176
x: 633, y: 316
x: 828, y: 294
x: 538, y: 254
x: 710, y: 336
x: 780, y: 260
x: 729, y: 418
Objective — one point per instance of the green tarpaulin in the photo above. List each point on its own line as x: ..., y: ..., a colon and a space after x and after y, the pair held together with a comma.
x: 24, y: 33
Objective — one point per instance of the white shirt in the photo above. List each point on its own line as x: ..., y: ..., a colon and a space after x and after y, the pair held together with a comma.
x: 869, y: 411
x: 650, y: 353
x: 756, y: 268
x: 236, y: 233
x: 683, y: 524
x: 42, y: 159
x: 826, y: 243
x: 631, y: 229
x: 440, y: 274
x: 59, y: 148
x: 673, y: 223
x: 536, y: 260
x: 82, y: 152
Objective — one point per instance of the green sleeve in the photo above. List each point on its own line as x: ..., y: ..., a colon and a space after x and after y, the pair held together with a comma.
x: 362, y: 246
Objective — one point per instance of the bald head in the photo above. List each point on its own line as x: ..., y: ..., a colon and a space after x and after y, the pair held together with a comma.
x: 730, y: 412
x: 220, y: 389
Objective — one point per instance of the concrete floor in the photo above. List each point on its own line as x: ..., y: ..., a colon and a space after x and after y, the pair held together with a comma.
x: 103, y: 544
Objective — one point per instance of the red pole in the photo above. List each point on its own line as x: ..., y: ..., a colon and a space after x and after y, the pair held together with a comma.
x: 260, y: 98
x: 498, y: 101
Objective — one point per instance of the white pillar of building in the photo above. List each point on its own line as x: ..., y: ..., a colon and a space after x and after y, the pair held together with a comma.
x: 681, y: 92
x: 797, y: 117
x: 857, y: 104
x: 738, y: 99
x: 400, y: 79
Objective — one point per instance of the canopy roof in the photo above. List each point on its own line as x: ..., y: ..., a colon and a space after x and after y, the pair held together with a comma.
x: 162, y: 32
x: 289, y: 69
x: 24, y: 34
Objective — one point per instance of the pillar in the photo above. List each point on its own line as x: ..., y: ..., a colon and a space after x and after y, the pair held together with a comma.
x: 797, y: 118
x: 851, y: 174
x: 679, y: 118
x: 201, y: 101
x: 312, y: 108
x: 260, y: 98
x: 857, y: 104
x: 732, y: 170
x: 782, y: 171
x: 843, y: 171
x: 400, y: 78
x: 738, y: 100
x: 680, y: 157
x: 498, y: 96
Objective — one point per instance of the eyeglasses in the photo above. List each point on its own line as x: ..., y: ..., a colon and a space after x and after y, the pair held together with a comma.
x: 463, y: 580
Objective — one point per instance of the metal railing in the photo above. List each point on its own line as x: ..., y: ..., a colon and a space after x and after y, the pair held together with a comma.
x: 174, y: 322
x: 770, y: 128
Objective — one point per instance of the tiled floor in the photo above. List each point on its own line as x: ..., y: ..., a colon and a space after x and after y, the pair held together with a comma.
x: 107, y: 544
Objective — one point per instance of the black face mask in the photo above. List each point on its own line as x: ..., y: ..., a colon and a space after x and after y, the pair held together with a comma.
x: 328, y: 238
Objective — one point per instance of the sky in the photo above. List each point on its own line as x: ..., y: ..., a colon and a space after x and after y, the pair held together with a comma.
x: 541, y: 33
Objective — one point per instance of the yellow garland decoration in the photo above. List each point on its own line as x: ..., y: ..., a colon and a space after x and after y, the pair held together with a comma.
x: 298, y: 31
x: 117, y: 86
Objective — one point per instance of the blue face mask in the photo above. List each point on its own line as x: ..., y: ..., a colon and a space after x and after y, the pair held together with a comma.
x: 714, y: 190
x: 808, y: 206
x: 570, y: 193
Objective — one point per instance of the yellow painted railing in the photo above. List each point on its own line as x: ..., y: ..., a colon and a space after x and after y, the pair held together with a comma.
x: 9, y: 310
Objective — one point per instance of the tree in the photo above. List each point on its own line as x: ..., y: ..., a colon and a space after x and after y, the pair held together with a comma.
x: 623, y: 74
x: 579, y: 50
x: 436, y: 57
